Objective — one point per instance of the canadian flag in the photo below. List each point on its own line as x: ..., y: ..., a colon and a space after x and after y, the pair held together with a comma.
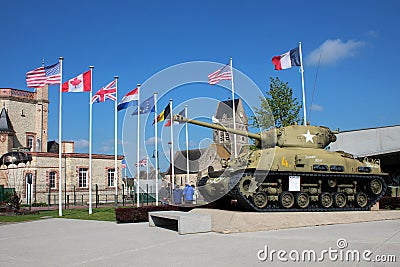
x: 81, y: 83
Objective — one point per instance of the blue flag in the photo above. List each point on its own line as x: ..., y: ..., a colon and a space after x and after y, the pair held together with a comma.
x: 146, y: 106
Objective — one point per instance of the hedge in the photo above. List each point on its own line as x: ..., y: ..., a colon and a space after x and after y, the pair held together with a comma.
x: 139, y: 214
x: 389, y: 203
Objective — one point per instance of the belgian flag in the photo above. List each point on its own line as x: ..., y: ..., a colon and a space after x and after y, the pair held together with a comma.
x: 165, y: 114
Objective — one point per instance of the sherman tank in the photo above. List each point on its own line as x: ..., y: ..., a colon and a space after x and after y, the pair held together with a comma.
x: 289, y: 169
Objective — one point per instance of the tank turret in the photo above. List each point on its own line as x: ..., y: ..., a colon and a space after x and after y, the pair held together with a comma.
x: 291, y: 171
x: 289, y: 136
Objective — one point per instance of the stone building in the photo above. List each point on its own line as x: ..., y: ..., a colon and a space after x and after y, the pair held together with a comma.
x: 24, y: 127
x: 223, y: 116
x: 203, y: 160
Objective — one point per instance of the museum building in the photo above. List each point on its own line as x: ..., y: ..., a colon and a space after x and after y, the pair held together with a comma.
x: 24, y: 128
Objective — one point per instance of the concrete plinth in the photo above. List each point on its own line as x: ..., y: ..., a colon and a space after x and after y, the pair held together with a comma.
x: 224, y: 221
x: 183, y: 222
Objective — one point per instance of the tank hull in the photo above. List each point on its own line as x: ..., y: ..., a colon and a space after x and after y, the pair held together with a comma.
x: 290, y: 179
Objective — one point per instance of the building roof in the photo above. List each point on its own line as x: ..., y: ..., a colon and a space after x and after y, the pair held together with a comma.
x: 180, y: 161
x: 52, y: 147
x: 222, y: 152
x: 5, y: 123
x: 369, y: 142
x: 195, y: 157
x: 225, y: 107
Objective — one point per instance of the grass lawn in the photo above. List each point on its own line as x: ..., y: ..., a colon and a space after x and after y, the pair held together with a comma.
x: 100, y: 214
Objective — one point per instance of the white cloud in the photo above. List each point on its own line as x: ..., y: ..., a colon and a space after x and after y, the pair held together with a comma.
x: 81, y: 143
x: 107, y: 146
x: 151, y: 140
x: 332, y: 51
x: 317, y: 107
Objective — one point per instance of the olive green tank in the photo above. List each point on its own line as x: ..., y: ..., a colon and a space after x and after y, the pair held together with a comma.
x: 289, y: 169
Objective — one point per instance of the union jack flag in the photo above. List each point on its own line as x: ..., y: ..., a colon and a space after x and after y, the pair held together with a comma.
x: 105, y: 93
x: 141, y: 163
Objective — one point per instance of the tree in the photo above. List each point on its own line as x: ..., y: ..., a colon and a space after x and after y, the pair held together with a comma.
x: 279, y: 108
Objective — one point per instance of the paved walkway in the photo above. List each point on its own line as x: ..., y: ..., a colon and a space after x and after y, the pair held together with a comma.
x: 66, y: 242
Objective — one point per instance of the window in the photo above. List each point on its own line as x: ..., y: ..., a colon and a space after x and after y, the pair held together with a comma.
x: 38, y: 146
x: 221, y: 136
x: 83, y: 173
x: 30, y: 141
x: 227, y: 136
x: 110, y: 177
x: 52, y: 179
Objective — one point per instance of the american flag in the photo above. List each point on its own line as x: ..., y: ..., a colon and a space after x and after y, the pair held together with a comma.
x: 44, y: 75
x: 222, y: 74
x: 141, y: 163
x: 105, y: 93
x: 123, y: 163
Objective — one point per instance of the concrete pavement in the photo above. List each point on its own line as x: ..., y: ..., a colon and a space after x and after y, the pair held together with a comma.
x: 66, y: 242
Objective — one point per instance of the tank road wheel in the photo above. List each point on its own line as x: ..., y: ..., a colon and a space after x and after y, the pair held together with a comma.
x: 376, y: 186
x: 340, y: 200
x: 361, y: 199
x: 326, y: 200
x: 260, y: 200
x: 286, y: 200
x: 302, y: 200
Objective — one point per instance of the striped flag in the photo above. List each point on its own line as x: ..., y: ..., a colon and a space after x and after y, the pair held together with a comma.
x: 168, y: 123
x: 44, y: 75
x: 123, y: 163
x: 141, y: 163
x: 105, y: 93
x: 165, y: 114
x: 222, y: 74
x: 287, y: 60
x: 130, y: 99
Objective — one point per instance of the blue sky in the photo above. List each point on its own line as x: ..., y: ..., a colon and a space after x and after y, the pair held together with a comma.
x: 357, y: 84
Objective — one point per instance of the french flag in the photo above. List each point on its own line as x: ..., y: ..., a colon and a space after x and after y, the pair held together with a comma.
x: 287, y: 60
x: 130, y: 99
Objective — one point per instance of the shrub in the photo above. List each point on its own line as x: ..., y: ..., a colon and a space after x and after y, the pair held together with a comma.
x: 390, y: 203
x: 141, y: 214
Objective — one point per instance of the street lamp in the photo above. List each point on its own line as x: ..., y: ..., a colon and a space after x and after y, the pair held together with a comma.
x: 155, y: 156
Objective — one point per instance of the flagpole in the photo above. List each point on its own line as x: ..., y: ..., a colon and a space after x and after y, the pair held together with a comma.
x: 302, y: 84
x: 138, y: 144
x: 115, y: 142
x: 147, y: 168
x: 187, y: 146
x: 172, y: 146
x: 233, y: 110
x: 60, y: 143
x: 156, y: 145
x: 90, y: 139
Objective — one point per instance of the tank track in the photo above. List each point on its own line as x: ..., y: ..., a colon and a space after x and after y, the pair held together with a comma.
x: 314, y: 206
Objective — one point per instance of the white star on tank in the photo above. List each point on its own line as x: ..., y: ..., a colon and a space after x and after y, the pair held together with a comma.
x: 309, y: 136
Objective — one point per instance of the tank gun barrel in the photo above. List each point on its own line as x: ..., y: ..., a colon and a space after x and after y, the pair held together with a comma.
x: 180, y: 118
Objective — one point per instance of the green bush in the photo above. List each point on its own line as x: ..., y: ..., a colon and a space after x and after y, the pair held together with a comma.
x: 390, y: 203
x: 139, y: 214
x: 8, y: 197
